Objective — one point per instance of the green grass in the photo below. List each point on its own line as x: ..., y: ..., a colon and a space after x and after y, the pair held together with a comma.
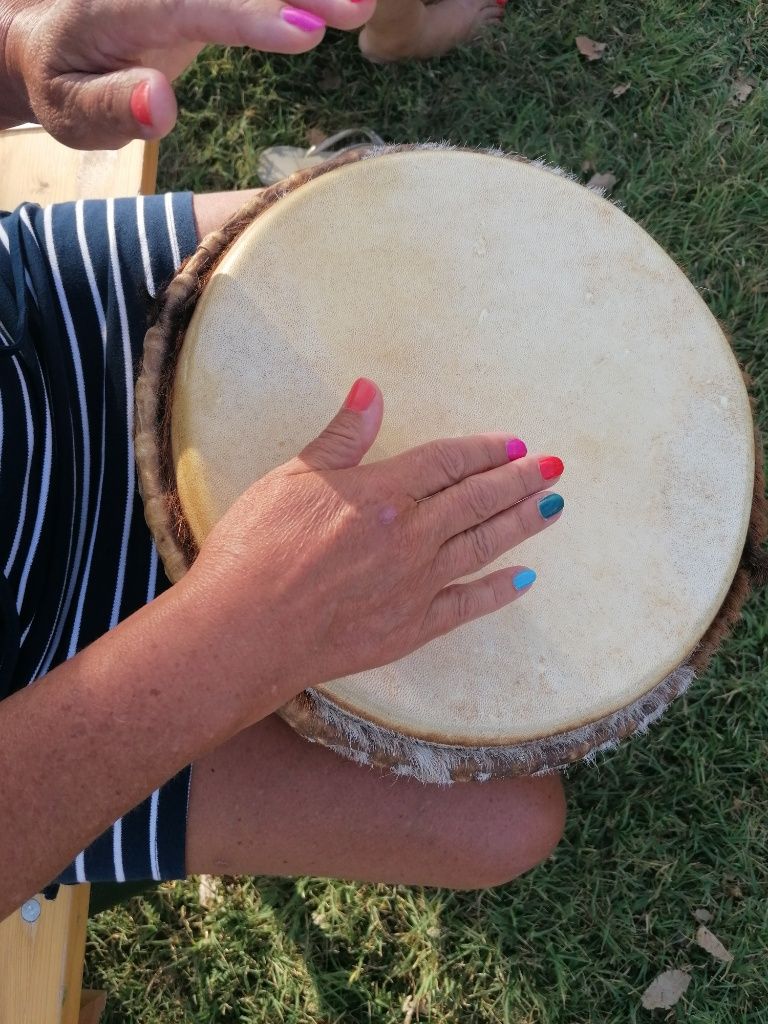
x: 671, y: 822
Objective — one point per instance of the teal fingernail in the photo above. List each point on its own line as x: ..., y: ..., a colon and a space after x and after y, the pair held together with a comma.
x: 550, y: 505
x: 523, y: 579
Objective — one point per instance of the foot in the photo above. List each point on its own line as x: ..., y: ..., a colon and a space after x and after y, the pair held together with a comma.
x: 434, y: 29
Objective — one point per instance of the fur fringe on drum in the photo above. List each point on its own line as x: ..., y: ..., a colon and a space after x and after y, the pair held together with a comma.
x: 312, y: 714
x: 318, y: 719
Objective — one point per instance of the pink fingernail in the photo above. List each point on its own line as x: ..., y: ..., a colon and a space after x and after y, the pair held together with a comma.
x: 140, y: 104
x: 360, y: 397
x: 302, y: 19
x: 516, y: 449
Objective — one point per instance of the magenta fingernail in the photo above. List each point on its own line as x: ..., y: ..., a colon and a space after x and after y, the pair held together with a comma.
x: 302, y: 19
x: 516, y: 449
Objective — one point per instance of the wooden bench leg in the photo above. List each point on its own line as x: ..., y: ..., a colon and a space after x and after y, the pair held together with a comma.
x: 41, y: 959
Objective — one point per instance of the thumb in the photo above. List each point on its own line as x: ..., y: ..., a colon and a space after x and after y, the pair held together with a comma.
x: 109, y: 110
x: 350, y: 433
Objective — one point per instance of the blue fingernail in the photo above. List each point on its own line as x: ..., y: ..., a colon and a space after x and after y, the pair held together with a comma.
x: 523, y: 579
x: 550, y: 505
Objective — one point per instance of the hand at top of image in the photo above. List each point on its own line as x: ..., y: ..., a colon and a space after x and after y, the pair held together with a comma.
x: 98, y: 73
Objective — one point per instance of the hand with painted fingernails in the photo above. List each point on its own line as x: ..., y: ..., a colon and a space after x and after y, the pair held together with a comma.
x: 327, y: 567
x: 98, y: 73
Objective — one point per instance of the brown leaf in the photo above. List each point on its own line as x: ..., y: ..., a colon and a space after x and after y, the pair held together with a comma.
x: 411, y: 1006
x: 587, y: 166
x: 589, y: 48
x: 713, y: 945
x: 619, y: 90
x: 315, y: 136
x: 208, y: 893
x: 702, y: 916
x: 604, y: 181
x: 666, y: 990
x: 741, y: 89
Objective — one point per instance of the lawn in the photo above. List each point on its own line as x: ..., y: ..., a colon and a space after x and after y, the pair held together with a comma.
x: 673, y: 822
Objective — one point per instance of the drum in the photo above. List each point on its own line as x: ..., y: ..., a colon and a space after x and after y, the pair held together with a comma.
x: 481, y: 292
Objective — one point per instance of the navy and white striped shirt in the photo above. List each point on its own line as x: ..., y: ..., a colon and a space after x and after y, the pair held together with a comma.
x: 76, y: 556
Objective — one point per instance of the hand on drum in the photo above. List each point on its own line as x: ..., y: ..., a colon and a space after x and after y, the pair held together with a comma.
x: 335, y: 567
x: 97, y: 74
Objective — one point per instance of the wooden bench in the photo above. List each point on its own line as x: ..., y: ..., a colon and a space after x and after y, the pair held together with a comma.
x: 42, y: 945
x: 37, y: 169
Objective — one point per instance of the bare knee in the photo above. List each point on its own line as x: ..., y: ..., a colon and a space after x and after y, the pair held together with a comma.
x: 512, y: 829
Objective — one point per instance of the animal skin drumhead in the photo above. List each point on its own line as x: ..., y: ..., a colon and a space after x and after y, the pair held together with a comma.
x: 484, y: 293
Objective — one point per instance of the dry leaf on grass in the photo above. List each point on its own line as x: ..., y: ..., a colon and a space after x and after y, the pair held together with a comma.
x: 619, y: 90
x: 702, y: 916
x: 208, y: 893
x: 733, y: 889
x: 411, y: 1006
x: 741, y: 89
x: 589, y: 48
x: 604, y: 181
x: 713, y: 945
x: 666, y: 990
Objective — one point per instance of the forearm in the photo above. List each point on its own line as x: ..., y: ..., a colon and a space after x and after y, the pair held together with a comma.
x: 212, y: 209
x: 99, y: 733
x: 95, y: 736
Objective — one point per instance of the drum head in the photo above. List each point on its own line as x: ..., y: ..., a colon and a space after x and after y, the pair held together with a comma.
x: 483, y: 293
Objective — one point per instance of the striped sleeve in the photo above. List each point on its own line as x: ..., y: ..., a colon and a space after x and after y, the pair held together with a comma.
x: 76, y: 281
x: 76, y: 557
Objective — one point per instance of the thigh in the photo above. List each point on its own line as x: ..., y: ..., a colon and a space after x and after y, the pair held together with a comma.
x: 268, y: 802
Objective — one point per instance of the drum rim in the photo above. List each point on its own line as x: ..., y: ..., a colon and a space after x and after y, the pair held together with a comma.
x: 177, y: 550
x: 318, y: 719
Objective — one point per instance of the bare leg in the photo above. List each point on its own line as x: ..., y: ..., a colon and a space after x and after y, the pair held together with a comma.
x: 402, y: 29
x: 268, y: 802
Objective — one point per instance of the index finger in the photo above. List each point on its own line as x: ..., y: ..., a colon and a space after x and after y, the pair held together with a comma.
x: 432, y: 467
x: 262, y: 26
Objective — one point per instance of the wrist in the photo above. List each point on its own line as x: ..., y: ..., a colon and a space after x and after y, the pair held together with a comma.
x: 15, y: 107
x: 256, y: 669
x: 212, y: 210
